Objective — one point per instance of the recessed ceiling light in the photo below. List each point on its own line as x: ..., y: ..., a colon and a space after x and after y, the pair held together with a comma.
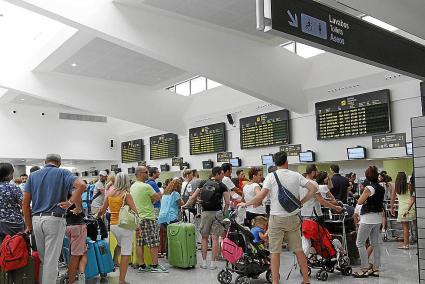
x: 23, y: 160
x: 74, y: 64
x: 22, y: 99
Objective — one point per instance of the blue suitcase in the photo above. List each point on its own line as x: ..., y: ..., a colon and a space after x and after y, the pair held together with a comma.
x: 92, y: 269
x: 104, y: 257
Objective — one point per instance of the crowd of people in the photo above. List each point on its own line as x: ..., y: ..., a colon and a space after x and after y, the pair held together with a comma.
x: 49, y: 204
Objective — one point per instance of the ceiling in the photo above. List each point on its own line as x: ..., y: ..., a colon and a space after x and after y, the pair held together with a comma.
x: 238, y: 15
x: 129, y: 46
x: 22, y: 99
x: 105, y: 60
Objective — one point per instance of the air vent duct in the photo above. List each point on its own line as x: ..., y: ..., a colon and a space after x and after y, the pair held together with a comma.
x: 82, y: 117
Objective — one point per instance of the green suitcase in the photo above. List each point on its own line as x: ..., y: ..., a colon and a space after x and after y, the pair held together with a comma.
x: 181, y: 245
x: 25, y: 275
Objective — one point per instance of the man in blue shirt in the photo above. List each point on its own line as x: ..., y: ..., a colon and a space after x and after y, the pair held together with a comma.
x: 154, y: 175
x: 48, y: 190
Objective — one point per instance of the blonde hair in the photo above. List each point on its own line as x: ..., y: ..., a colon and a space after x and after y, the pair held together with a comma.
x: 110, y: 179
x: 122, y: 182
x: 259, y: 221
x: 174, y: 185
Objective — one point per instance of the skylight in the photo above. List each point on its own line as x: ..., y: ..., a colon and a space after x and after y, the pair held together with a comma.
x: 193, y: 86
x: 24, y: 33
x: 379, y: 23
x: 302, y: 50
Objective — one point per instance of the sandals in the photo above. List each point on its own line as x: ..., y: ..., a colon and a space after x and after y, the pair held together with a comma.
x: 361, y: 274
x: 373, y: 272
x: 405, y: 247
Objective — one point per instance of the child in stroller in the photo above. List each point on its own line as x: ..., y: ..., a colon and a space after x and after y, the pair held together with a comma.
x: 243, y: 256
x: 324, y: 253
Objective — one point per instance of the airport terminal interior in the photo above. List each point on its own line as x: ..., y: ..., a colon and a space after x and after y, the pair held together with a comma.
x: 175, y: 89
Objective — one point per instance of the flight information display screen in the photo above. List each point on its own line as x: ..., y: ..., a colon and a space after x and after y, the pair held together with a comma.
x: 207, y: 139
x: 265, y: 129
x: 132, y: 151
x: 358, y: 115
x: 163, y: 146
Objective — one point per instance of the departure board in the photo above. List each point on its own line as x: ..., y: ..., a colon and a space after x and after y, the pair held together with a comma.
x: 208, y: 139
x: 132, y: 151
x: 163, y: 146
x: 266, y: 129
x: 358, y: 115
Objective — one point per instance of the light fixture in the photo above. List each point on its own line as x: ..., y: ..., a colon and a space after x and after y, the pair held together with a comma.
x: 303, y: 50
x: 74, y: 64
x: 22, y: 99
x: 379, y: 23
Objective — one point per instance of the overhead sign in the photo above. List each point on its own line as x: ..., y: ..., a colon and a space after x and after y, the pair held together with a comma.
x: 207, y: 139
x: 291, y: 150
x: 389, y: 141
x: 163, y: 146
x: 358, y: 115
x: 265, y: 129
x: 132, y: 151
x: 224, y: 157
x: 350, y: 36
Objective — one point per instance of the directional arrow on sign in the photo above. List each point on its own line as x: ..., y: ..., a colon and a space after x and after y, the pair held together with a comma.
x: 294, y: 20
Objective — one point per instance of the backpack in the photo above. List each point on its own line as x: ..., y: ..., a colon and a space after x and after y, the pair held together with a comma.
x: 14, y: 252
x: 208, y: 193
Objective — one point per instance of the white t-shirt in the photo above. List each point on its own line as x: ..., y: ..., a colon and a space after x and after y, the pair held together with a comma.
x: 249, y: 194
x: 98, y: 202
x: 289, y: 179
x: 186, y: 191
x: 228, y: 183
x: 370, y: 218
x: 307, y: 209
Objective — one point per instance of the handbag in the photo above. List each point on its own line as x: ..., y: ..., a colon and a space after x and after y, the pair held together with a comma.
x: 128, y: 219
x: 286, y: 199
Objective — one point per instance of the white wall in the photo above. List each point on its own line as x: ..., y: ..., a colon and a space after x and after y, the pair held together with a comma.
x: 28, y: 135
x: 405, y: 103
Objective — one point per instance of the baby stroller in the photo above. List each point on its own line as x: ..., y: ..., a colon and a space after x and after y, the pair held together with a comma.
x: 242, y: 255
x: 328, y: 254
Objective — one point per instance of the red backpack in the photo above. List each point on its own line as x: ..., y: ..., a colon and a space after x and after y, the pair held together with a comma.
x: 14, y: 252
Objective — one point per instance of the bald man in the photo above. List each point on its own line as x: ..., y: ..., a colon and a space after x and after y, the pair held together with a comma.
x: 144, y: 196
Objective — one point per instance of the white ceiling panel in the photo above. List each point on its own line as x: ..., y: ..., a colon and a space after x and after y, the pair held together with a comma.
x: 238, y: 15
x: 105, y: 60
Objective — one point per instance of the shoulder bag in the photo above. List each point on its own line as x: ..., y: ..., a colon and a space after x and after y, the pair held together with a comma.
x: 128, y: 219
x: 286, y: 199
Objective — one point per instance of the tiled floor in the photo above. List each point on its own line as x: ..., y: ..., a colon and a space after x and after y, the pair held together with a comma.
x: 398, y: 267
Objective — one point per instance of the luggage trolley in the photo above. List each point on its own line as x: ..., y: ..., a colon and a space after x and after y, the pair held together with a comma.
x: 394, y: 229
x: 335, y: 219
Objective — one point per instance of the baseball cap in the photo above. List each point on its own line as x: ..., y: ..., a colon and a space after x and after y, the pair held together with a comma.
x: 103, y: 173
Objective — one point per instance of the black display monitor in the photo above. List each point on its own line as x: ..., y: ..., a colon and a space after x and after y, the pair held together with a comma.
x: 165, y: 168
x: 131, y: 170
x: 206, y: 165
x: 356, y: 153
x: 307, y: 157
x: 409, y: 149
x: 235, y: 162
x: 184, y: 165
x: 267, y: 160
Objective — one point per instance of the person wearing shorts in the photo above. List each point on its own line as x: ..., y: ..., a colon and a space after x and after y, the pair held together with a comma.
x: 117, y: 195
x: 76, y: 232
x: 148, y: 234
x: 212, y: 214
x: 284, y: 226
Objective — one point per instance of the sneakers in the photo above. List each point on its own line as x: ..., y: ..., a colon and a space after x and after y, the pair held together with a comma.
x: 81, y: 278
x: 203, y: 266
x: 144, y: 269
x: 159, y: 269
x: 213, y: 267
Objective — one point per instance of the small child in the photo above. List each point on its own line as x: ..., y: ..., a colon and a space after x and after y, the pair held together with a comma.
x: 259, y: 226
